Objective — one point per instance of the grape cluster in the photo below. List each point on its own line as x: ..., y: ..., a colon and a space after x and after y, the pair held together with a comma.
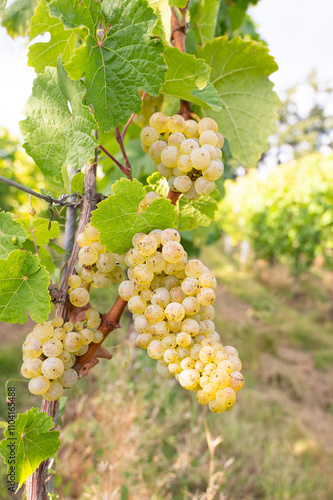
x: 171, y: 299
x: 50, y: 350
x: 95, y: 267
x: 186, y: 152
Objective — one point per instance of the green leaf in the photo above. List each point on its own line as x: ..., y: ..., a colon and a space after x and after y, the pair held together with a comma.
x: 203, y: 19
x: 23, y: 285
x: 56, y: 107
x: 62, y: 41
x: 157, y: 183
x: 187, y: 74
x: 32, y: 440
x: 2, y: 8
x: 163, y: 25
x: 12, y: 234
x: 47, y: 260
x: 118, y: 220
x: 17, y: 17
x: 77, y: 183
x: 196, y: 213
x: 240, y: 71
x: 41, y: 230
x: 123, y: 61
x: 178, y: 3
x: 58, y: 249
x: 65, y: 173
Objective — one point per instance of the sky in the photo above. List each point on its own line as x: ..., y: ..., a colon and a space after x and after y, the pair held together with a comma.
x: 298, y: 33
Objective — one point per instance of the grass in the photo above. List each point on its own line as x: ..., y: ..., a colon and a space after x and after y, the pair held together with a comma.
x: 128, y: 434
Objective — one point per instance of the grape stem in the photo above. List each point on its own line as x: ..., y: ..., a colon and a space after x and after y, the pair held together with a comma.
x: 120, y: 141
x: 129, y: 121
x: 122, y: 168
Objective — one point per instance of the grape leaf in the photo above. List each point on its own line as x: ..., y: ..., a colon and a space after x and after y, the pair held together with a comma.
x: 116, y: 61
x: 41, y: 230
x: 12, y: 234
x: 58, y: 249
x: 47, y: 260
x: 42, y: 54
x: 196, y: 212
x: 163, y: 25
x: 203, y: 19
x: 55, y: 106
x: 23, y: 285
x: 187, y: 74
x: 157, y: 183
x: 122, y: 209
x: 32, y: 441
x: 240, y: 71
x: 77, y: 183
x: 2, y: 8
x: 178, y: 3
x: 17, y: 17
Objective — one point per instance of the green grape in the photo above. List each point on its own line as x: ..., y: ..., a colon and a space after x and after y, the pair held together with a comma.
x: 155, y: 150
x: 191, y: 194
x: 57, y: 321
x: 214, y: 171
x: 137, y: 305
x: 190, y: 286
x: 226, y: 365
x: 134, y: 258
x: 151, y: 196
x: 194, y: 268
x: 165, y: 171
x: 39, y: 385
x: 208, y: 137
x: 189, y: 379
x: 72, y: 341
x: 154, y: 313
x: 141, y: 324
x: 184, y: 164
x: 206, y: 296
x: 191, y: 128
x: 236, y: 362
x: 146, y: 245
x: 209, y: 391
x: 169, y: 156
x: 87, y: 336
x: 220, y: 379
x: 98, y: 337
x: 183, y: 339
x: 43, y: 331
x: 79, y: 297
x: 236, y: 381
x: 169, y: 342
x: 155, y: 349
x: 212, y: 152
x: 182, y: 183
x: 82, y: 240
x: 207, y: 354
x: 176, y: 139
x: 160, y: 329
x: 106, y: 262
x: 80, y: 352
x: 226, y: 397
x: 32, y: 367
x: 33, y: 347
x: 159, y: 121
x: 220, y: 142
x: 190, y: 326
x: 68, y: 378
x: 200, y: 159
x: 191, y: 305
x: 87, y: 274
x: 127, y: 290
x: 177, y: 295
x: 156, y: 233
x: 176, y: 123
x: 98, y: 247
x: 59, y: 333
x: 170, y: 356
x: 52, y: 368
x: 231, y: 350
x: 74, y: 281
x: 78, y: 326
x: 65, y: 356
x: 160, y: 296
x: 142, y: 275
x: 175, y: 312
x: 149, y: 135
x: 68, y: 326
x: 136, y: 238
x: 54, y: 392
x: 207, y: 124
x: 173, y: 252
x: 143, y: 340
x: 170, y: 282
x: 90, y: 232
x: 188, y: 146
x: 52, y: 348
x: 102, y: 280
x: 164, y: 371
x: 88, y: 255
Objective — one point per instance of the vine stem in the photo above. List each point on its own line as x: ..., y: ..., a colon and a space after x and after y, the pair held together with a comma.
x: 61, y: 201
x: 37, y: 483
x: 122, y: 168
